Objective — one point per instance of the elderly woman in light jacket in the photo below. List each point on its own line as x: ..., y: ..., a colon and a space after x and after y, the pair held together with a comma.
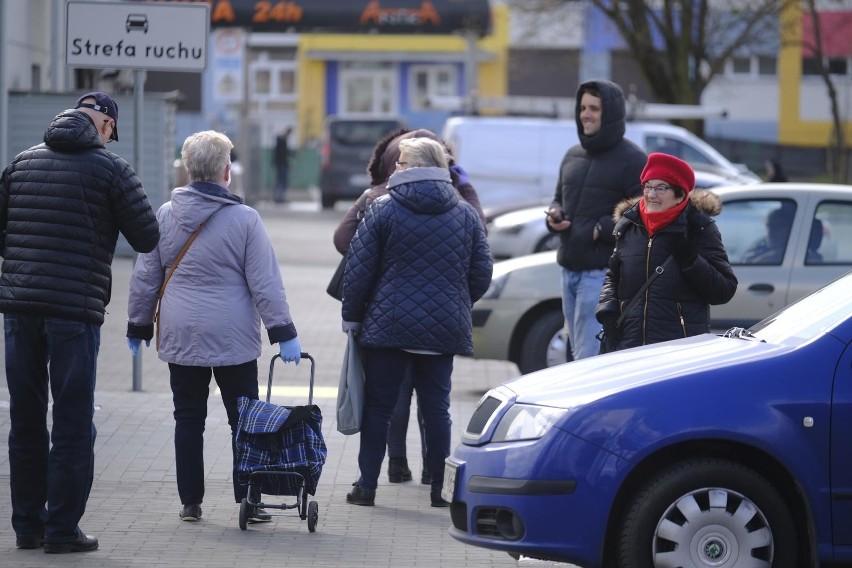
x: 211, y: 310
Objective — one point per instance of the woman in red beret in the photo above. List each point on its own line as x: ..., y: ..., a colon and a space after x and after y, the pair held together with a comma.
x: 668, y: 232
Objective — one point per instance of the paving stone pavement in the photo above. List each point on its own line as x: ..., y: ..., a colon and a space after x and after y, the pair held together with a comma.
x: 133, y: 507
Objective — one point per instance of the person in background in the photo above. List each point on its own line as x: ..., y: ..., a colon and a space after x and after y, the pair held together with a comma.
x: 417, y: 263
x: 594, y: 177
x: 670, y: 219
x: 62, y: 206
x: 281, y: 158
x: 210, y: 314
x: 770, y: 249
x: 774, y: 171
x: 236, y: 186
x: 382, y: 165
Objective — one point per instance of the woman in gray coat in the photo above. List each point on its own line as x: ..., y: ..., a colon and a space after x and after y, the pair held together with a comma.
x: 210, y: 313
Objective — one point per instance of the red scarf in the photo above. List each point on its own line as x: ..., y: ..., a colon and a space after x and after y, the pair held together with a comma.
x: 656, y: 220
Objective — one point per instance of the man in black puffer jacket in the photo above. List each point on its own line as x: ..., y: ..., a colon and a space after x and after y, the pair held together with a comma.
x: 594, y: 177
x: 62, y: 205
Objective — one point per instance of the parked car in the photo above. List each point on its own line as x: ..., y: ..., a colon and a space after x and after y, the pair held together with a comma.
x: 520, y: 318
x: 347, y: 145
x: 515, y: 160
x: 727, y: 451
x: 516, y: 232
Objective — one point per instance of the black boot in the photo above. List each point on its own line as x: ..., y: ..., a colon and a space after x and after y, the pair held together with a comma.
x: 425, y: 476
x: 398, y: 470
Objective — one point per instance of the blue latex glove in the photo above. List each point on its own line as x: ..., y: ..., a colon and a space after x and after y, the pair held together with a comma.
x: 291, y: 351
x: 460, y: 174
x: 134, y: 342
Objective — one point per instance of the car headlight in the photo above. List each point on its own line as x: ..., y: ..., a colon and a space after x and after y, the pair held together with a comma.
x: 526, y: 422
x: 496, y: 287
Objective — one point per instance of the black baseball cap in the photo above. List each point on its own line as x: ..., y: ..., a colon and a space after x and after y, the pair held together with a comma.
x: 103, y: 103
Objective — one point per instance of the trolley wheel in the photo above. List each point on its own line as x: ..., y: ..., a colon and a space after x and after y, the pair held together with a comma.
x: 313, y: 516
x: 244, y: 513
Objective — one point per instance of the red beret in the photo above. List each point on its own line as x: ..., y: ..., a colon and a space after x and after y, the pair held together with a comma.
x: 669, y: 169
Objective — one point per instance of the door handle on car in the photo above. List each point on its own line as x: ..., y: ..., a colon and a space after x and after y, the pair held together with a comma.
x: 762, y: 288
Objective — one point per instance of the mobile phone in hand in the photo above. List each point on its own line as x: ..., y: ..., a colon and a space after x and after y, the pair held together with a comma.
x: 557, y: 218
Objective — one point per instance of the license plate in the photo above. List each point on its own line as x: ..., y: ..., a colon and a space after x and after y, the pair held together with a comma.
x: 449, y: 489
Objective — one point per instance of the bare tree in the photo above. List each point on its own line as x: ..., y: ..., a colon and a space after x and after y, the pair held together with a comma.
x: 680, y: 45
x: 837, y: 145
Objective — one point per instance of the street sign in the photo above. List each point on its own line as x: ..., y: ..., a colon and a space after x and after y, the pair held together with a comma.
x: 137, y: 35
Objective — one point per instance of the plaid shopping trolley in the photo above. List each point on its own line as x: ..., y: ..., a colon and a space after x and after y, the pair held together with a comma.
x: 280, y: 451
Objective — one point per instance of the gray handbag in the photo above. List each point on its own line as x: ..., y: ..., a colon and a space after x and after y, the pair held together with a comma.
x: 350, y: 392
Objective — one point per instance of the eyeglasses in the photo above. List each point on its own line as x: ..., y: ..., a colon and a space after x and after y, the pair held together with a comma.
x: 658, y: 189
x: 111, y: 124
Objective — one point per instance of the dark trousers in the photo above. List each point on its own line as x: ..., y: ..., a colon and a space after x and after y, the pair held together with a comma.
x: 50, y: 475
x: 282, y: 182
x: 190, y: 387
x: 398, y: 432
x: 384, y: 369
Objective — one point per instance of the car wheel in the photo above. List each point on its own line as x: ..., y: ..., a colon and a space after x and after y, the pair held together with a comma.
x: 550, y: 242
x: 704, y: 513
x: 327, y: 201
x: 545, y: 343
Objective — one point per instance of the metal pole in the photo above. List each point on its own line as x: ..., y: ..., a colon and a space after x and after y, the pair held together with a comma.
x: 138, y: 100
x: 471, y: 74
x: 55, y: 40
x: 4, y: 94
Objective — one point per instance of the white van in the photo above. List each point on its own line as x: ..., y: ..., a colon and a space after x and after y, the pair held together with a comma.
x: 514, y: 161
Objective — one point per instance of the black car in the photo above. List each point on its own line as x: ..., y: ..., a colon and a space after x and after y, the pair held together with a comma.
x: 347, y: 146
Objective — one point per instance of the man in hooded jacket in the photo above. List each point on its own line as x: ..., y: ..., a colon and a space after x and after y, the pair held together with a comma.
x: 594, y: 176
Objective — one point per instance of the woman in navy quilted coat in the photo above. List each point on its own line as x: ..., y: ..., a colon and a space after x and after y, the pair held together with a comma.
x: 416, y: 265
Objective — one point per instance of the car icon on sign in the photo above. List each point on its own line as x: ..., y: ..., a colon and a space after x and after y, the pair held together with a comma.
x: 136, y: 22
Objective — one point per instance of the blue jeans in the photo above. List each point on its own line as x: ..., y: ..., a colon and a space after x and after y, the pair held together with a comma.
x: 190, y: 387
x: 581, y: 292
x: 383, y: 369
x: 50, y: 475
x: 399, y: 422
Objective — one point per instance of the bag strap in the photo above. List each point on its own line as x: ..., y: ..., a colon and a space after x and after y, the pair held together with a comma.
x: 657, y: 271
x: 183, y: 252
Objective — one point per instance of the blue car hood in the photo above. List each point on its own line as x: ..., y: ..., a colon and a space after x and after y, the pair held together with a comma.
x: 585, y: 381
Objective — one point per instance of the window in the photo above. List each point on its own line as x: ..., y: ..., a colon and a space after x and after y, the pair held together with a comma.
x: 767, y: 65
x: 830, y: 240
x: 835, y: 65
x: 430, y: 82
x: 741, y: 65
x: 756, y: 231
x: 367, y: 90
x: 262, y: 82
x: 272, y: 80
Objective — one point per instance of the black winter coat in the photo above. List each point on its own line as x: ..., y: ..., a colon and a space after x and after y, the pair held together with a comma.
x: 677, y: 303
x: 417, y: 263
x: 594, y: 176
x: 62, y: 205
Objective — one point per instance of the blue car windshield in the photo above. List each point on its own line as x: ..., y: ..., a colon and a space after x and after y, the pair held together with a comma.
x: 810, y: 317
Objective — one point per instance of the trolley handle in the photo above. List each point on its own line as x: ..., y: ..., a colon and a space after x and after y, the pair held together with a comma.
x: 303, y: 355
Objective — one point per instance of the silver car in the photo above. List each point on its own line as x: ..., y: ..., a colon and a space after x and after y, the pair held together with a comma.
x: 520, y: 317
x: 520, y: 231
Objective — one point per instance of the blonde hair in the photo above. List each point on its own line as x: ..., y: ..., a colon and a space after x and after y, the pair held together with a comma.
x: 424, y: 152
x: 205, y: 155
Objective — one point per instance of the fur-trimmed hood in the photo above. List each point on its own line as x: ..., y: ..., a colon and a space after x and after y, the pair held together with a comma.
x: 702, y: 199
